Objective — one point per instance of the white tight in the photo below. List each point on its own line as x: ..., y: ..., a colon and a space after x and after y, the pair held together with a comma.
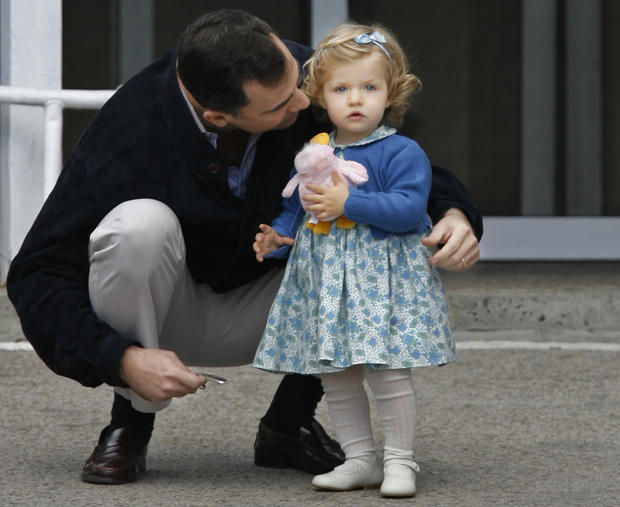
x: 349, y: 410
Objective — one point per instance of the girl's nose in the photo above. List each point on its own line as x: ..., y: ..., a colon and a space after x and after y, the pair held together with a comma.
x: 355, y: 97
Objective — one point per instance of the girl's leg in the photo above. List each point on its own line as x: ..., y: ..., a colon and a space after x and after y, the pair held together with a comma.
x: 349, y: 411
x: 396, y: 404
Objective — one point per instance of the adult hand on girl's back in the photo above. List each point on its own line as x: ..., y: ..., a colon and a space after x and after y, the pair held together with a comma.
x: 269, y: 240
x: 460, y: 248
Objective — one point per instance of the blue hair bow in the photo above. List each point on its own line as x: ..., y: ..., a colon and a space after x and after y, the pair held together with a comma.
x: 376, y: 38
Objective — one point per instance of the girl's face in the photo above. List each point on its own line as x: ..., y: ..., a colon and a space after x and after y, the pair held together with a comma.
x: 355, y: 96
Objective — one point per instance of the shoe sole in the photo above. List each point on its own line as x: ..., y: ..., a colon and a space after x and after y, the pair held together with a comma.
x: 285, y: 462
x: 131, y: 474
x: 366, y: 487
x: 408, y: 494
x: 282, y: 461
x: 385, y: 495
x: 98, y: 479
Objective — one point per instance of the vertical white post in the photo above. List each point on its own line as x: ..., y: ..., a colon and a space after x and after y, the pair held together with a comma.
x: 31, y: 41
x: 53, y: 145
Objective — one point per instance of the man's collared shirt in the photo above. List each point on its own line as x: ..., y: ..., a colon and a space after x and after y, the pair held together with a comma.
x: 237, y: 176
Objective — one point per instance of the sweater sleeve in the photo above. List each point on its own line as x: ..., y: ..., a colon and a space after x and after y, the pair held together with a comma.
x: 400, y: 203
x: 48, y: 285
x: 287, y: 223
x: 448, y: 192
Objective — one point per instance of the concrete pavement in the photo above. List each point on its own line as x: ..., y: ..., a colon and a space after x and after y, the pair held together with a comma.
x: 497, y: 428
x: 503, y: 426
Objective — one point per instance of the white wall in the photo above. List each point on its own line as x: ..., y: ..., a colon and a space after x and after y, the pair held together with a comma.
x: 30, y: 56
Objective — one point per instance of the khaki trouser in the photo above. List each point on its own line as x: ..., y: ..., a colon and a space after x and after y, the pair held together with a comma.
x: 140, y: 285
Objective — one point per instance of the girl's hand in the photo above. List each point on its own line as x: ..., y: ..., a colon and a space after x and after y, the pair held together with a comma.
x: 327, y: 202
x: 268, y: 240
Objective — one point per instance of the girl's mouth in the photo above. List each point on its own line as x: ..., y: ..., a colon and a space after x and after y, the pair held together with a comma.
x: 355, y: 116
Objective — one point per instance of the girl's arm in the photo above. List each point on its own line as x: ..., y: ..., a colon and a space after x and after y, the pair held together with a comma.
x: 286, y: 225
x: 268, y: 241
x: 400, y: 204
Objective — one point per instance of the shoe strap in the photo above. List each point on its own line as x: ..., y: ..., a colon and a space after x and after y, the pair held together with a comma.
x: 400, y: 461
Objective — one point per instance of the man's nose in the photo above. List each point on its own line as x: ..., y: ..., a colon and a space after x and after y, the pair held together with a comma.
x: 299, y: 101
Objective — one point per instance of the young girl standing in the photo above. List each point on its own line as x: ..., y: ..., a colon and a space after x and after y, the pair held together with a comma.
x: 360, y: 302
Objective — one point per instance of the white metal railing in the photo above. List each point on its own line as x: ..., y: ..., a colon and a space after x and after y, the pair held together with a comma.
x: 54, y: 101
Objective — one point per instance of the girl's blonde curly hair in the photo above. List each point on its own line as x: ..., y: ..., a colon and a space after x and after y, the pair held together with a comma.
x: 339, y: 47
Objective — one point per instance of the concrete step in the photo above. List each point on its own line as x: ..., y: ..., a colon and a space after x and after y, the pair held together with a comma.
x: 577, y: 297
x: 531, y: 299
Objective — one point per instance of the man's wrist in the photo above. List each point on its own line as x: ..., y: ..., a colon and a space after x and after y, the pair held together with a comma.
x: 126, y: 361
x: 456, y: 212
x: 474, y: 222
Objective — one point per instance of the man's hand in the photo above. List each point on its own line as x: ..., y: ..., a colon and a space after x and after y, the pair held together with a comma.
x: 157, y: 375
x: 460, y: 248
x: 327, y: 202
x: 269, y: 240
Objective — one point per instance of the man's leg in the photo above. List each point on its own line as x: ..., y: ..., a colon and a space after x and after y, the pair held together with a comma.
x: 289, y: 435
x: 294, y: 403
x: 136, y: 258
x: 140, y: 285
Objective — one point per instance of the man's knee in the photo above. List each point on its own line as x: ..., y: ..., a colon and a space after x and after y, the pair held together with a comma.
x: 140, y: 234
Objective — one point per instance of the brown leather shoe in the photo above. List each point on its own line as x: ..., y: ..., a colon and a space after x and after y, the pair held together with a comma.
x: 119, y: 457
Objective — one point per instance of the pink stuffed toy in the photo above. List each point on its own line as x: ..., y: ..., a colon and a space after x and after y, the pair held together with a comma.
x: 315, y: 163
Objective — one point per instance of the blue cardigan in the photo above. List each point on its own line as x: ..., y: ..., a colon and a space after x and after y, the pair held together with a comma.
x: 393, y: 200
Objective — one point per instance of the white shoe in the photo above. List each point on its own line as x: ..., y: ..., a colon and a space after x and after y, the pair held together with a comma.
x: 352, y: 474
x: 399, y: 477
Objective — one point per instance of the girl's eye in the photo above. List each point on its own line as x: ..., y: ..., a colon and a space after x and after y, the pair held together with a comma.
x: 340, y: 89
x: 370, y: 88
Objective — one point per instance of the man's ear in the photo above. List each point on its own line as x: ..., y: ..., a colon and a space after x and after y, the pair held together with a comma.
x: 216, y: 118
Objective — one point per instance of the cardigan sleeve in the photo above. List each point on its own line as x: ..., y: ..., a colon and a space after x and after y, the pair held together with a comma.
x: 398, y: 204
x: 287, y: 223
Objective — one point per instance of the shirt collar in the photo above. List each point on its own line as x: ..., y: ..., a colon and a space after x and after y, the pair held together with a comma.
x: 201, y: 127
x: 379, y: 133
x: 212, y: 136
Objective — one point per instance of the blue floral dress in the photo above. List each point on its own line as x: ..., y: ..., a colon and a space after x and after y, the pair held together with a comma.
x: 348, y: 298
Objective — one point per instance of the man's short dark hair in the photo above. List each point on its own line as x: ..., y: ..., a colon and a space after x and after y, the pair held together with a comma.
x: 221, y: 51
